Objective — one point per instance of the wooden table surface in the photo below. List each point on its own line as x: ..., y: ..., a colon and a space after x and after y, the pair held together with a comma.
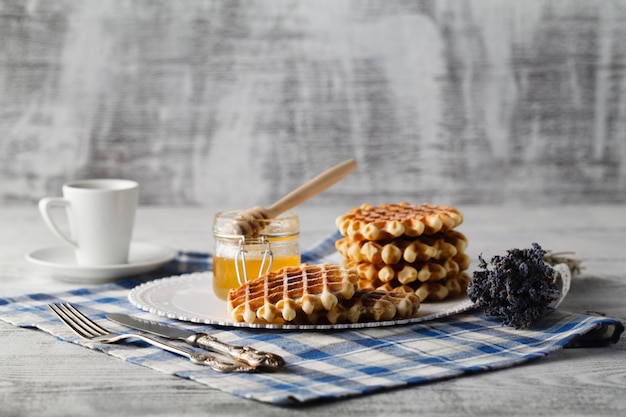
x: 42, y: 376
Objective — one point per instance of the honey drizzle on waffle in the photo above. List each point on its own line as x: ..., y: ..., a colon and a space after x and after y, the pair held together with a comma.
x: 280, y: 294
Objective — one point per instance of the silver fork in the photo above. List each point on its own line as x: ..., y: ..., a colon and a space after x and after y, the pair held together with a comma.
x: 88, y: 329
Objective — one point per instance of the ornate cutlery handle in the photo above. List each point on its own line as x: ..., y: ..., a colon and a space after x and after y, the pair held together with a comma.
x: 218, y: 365
x: 247, y: 354
x: 196, y: 357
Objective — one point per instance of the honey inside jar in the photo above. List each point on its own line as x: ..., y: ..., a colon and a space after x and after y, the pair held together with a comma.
x: 225, y: 273
x: 237, y: 257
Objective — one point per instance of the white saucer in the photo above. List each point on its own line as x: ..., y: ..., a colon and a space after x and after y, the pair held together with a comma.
x: 60, y: 260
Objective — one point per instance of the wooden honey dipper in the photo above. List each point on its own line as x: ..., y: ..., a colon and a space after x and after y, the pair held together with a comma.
x: 247, y: 224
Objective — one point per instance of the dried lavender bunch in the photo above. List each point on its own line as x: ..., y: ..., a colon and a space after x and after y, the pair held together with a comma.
x: 518, y: 288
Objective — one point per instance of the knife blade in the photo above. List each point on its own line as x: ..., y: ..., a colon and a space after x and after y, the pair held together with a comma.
x: 246, y: 354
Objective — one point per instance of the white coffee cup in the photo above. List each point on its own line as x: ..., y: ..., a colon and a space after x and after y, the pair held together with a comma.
x: 101, y: 215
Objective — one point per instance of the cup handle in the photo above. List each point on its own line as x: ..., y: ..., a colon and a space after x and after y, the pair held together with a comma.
x: 44, y: 206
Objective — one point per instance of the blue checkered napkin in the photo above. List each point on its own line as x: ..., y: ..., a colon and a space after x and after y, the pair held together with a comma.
x: 323, y: 365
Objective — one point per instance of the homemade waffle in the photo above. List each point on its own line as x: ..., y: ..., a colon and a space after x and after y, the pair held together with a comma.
x: 405, y: 248
x: 423, y: 248
x: 389, y: 221
x: 407, y: 272
x: 426, y: 291
x: 367, y: 306
x: 315, y: 294
x: 279, y: 295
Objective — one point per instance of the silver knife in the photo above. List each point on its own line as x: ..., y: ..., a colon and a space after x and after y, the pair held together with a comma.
x: 246, y: 354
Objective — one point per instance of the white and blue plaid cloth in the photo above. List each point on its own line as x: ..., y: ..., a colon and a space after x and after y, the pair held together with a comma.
x: 322, y: 365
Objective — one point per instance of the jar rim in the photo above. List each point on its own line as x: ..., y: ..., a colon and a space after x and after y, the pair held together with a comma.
x: 285, y: 225
x: 248, y: 239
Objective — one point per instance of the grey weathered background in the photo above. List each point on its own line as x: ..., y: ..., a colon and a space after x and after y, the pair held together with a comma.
x: 236, y: 102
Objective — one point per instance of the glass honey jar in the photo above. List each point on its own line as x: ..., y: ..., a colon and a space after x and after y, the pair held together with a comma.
x: 238, y: 258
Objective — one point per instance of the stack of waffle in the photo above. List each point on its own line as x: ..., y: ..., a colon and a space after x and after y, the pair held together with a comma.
x: 315, y: 294
x: 406, y: 248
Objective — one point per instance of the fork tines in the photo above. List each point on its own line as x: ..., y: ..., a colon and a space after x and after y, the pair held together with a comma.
x: 77, y: 321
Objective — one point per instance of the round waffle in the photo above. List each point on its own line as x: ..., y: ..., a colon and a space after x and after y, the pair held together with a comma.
x: 367, y: 306
x: 405, y: 248
x: 389, y: 221
x: 315, y: 294
x: 430, y: 291
x: 279, y: 295
x: 423, y: 248
x: 407, y: 272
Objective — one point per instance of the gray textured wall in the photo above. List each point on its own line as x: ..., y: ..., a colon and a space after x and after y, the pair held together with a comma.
x: 237, y: 102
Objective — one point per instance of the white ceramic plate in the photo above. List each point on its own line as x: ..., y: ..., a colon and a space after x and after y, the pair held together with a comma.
x: 60, y: 260
x: 190, y: 298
